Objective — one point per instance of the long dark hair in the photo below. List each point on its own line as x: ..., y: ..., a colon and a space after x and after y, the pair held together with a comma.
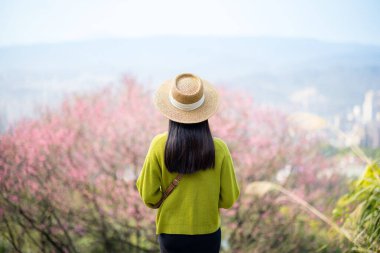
x: 189, y: 147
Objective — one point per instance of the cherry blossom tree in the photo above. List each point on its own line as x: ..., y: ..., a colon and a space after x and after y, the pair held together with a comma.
x: 67, y: 179
x: 267, y: 146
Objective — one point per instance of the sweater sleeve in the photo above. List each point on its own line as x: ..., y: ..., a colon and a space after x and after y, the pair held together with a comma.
x: 149, y: 180
x: 229, y: 188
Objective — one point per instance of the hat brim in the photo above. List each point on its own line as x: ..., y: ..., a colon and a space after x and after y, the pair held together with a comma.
x: 202, y: 113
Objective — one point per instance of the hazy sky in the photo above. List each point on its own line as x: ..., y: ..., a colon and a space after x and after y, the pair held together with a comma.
x: 35, y: 21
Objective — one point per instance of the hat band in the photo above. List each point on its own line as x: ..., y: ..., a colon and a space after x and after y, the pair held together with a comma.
x: 186, y: 107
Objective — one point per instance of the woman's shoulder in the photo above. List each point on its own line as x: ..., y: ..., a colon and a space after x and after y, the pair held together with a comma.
x: 160, y: 136
x: 159, y: 139
x: 220, y: 144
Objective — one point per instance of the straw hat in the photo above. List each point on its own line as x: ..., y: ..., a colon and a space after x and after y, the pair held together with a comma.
x: 187, y: 99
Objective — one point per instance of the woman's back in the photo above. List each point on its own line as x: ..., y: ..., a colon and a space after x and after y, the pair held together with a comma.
x: 188, y: 219
x: 193, y: 208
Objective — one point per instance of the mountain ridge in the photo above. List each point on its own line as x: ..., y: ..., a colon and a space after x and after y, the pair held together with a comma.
x: 332, y: 76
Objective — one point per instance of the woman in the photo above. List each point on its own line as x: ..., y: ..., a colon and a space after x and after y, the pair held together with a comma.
x: 188, y: 220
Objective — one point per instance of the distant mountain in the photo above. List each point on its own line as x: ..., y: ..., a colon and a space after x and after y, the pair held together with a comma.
x: 298, y: 74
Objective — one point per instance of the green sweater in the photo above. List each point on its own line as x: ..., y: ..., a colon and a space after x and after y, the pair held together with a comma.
x: 193, y: 207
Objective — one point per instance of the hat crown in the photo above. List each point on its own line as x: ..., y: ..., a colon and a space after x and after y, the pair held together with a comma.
x: 187, y: 99
x: 187, y: 88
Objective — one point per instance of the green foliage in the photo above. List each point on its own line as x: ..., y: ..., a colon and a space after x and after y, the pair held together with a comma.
x: 270, y: 226
x: 329, y: 151
x: 4, y: 246
x: 373, y: 153
x: 360, y: 210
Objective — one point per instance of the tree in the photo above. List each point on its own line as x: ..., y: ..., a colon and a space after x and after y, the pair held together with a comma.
x: 67, y: 179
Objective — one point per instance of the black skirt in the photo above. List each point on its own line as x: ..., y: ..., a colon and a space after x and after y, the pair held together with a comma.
x: 178, y: 243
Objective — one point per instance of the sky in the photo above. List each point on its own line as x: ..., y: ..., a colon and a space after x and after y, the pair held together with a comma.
x: 49, y: 21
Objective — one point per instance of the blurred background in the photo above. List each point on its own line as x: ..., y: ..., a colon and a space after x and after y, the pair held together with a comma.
x: 305, y: 79
x: 318, y: 56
